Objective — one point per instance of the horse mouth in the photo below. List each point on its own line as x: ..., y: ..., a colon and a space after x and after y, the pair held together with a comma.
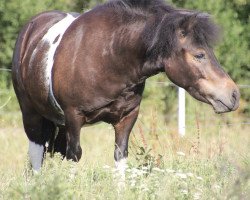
x: 220, y: 107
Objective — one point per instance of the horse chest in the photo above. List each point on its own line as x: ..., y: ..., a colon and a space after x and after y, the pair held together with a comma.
x: 127, y: 101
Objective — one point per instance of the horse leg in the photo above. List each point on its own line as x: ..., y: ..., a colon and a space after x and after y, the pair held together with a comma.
x: 73, y: 123
x: 122, y: 132
x: 60, y: 143
x: 38, y: 130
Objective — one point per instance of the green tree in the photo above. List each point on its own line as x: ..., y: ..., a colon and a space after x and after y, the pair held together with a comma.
x: 15, y: 13
x: 232, y: 15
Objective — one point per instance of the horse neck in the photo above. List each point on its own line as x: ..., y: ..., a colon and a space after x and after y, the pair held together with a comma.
x: 152, y: 67
x: 133, y: 39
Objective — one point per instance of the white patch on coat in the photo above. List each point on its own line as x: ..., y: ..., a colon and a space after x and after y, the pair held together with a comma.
x: 56, y: 30
x: 36, y: 155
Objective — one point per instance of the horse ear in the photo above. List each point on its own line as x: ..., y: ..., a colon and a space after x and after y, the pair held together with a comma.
x: 203, y: 15
x: 185, y: 23
x: 185, y: 11
x: 190, y: 19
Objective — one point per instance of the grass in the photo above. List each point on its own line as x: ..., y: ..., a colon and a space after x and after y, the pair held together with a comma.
x: 211, y: 162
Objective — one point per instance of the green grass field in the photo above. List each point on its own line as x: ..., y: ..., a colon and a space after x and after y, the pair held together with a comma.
x: 211, y: 162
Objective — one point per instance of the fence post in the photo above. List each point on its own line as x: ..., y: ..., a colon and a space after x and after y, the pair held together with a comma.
x: 181, y: 111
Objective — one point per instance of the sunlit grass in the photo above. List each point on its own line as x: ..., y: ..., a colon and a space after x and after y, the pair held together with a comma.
x: 210, y: 162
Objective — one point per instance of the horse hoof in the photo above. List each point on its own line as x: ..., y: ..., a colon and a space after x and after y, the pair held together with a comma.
x: 74, y: 155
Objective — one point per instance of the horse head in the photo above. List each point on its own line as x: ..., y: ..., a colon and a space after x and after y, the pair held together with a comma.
x: 189, y: 60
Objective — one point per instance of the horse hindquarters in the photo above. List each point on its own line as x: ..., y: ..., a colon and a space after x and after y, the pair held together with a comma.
x: 33, y: 122
x: 26, y: 76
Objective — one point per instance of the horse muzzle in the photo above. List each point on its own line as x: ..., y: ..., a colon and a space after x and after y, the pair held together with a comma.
x: 226, y: 103
x: 225, y: 99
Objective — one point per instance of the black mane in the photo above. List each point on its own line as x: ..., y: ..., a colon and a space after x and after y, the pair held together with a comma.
x: 160, y: 36
x: 146, y: 6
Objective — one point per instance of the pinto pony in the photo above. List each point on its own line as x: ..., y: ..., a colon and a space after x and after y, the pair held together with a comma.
x: 70, y: 70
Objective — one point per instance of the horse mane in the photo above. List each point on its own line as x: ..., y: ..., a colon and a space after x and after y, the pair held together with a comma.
x: 140, y: 6
x: 160, y: 36
x: 161, y: 39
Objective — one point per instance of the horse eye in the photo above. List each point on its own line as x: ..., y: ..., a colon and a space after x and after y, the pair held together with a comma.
x: 200, y: 56
x: 183, y: 33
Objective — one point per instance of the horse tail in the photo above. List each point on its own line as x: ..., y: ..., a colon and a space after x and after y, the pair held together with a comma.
x: 21, y: 44
x: 18, y: 56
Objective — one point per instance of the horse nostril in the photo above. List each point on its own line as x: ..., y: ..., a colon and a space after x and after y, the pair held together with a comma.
x: 234, y: 97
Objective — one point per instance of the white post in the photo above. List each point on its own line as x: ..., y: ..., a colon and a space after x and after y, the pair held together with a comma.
x: 181, y: 111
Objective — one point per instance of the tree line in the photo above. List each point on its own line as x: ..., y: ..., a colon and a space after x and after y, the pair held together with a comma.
x: 232, y: 15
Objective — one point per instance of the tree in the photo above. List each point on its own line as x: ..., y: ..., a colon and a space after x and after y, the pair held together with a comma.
x: 15, y: 13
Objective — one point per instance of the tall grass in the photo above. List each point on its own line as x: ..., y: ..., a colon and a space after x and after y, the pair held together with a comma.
x: 210, y: 162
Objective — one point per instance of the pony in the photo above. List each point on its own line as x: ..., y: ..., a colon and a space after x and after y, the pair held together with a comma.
x: 71, y: 70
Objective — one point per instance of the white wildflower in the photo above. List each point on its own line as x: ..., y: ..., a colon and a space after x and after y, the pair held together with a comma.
x: 184, y: 191
x: 190, y: 174
x: 114, y: 170
x: 181, y: 175
x: 199, y: 178
x: 137, y: 172
x: 132, y: 183
x: 72, y: 173
x: 140, y: 172
x: 197, y: 196
x: 133, y: 176
x: 157, y: 169
x: 180, y: 153
x: 71, y: 176
x: 145, y: 189
x: 128, y: 170
x: 216, y: 187
x: 169, y: 170
x: 144, y: 168
x: 134, y: 170
x: 106, y: 167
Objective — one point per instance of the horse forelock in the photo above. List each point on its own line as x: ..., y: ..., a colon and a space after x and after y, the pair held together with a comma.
x: 202, y: 29
x: 161, y: 36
